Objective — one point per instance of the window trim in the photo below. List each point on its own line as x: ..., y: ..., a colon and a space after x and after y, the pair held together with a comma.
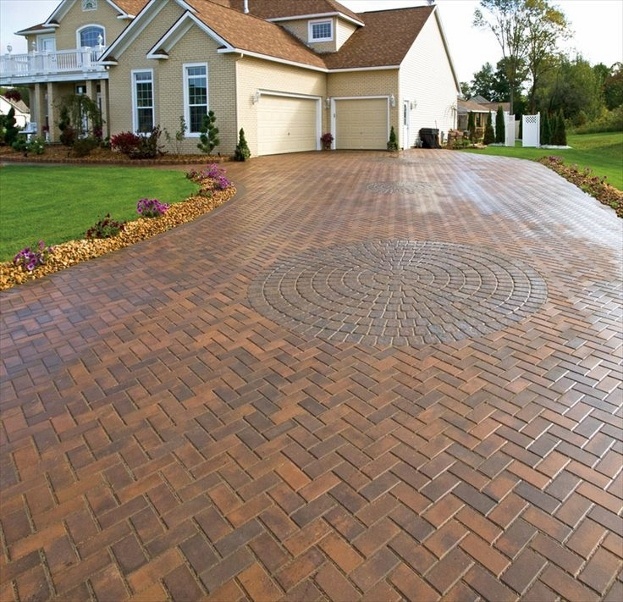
x: 87, y: 26
x: 312, y: 39
x: 135, y: 107
x: 185, y: 68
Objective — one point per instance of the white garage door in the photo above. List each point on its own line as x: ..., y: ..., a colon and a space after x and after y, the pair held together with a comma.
x: 287, y: 125
x: 361, y: 123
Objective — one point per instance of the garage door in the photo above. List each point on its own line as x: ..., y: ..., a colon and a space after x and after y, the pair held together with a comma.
x: 361, y: 124
x: 287, y: 125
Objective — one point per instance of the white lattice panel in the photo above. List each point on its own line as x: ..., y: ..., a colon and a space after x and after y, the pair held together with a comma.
x: 532, y: 130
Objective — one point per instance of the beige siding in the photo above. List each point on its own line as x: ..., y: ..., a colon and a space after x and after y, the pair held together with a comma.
x: 343, y: 31
x: 257, y: 75
x: 197, y: 47
x: 383, y: 82
x: 105, y: 15
x: 426, y: 79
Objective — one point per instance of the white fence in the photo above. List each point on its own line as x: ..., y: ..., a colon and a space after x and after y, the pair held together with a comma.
x: 61, y: 61
x: 531, y: 130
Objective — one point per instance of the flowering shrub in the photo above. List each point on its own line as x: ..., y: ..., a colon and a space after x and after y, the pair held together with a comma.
x: 105, y: 228
x: 31, y: 258
x: 125, y: 142
x: 151, y: 208
x: 211, y: 178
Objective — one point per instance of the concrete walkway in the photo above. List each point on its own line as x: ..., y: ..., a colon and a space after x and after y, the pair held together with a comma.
x: 367, y: 377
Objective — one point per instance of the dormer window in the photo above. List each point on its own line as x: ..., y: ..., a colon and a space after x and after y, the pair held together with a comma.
x: 89, y: 4
x: 321, y: 31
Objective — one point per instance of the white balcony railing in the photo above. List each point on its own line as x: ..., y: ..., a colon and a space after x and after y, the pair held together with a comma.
x: 33, y: 64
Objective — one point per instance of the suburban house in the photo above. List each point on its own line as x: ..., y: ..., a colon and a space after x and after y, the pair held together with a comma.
x: 480, y: 107
x: 22, y: 112
x: 287, y: 71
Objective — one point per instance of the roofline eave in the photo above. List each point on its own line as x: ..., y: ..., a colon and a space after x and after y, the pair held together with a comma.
x: 274, y: 59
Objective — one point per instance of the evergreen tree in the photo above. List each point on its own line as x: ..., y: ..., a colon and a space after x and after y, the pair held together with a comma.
x: 11, y: 127
x: 242, y: 152
x: 471, y: 126
x: 500, y: 127
x: 209, y: 134
x: 489, y: 132
x: 546, y: 131
x: 392, y: 145
x: 559, y: 132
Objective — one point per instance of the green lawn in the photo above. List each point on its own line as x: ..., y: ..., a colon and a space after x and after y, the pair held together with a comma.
x: 60, y: 203
x: 603, y: 153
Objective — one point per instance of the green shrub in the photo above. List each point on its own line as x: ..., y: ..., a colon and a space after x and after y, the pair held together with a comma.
x: 11, y: 128
x: 392, y: 144
x: 242, y: 152
x: 489, y: 137
x: 84, y: 146
x: 500, y: 126
x: 608, y: 121
x: 208, y: 139
x: 105, y: 228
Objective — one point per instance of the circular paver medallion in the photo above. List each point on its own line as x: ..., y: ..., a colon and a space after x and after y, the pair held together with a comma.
x: 398, y: 292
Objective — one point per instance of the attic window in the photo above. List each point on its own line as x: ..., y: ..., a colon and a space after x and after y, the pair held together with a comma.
x: 89, y: 4
x: 320, y: 31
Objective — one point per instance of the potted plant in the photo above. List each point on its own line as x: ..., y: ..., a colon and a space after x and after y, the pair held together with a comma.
x: 327, y: 141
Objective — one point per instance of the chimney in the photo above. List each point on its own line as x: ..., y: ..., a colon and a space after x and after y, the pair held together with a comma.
x: 246, y: 7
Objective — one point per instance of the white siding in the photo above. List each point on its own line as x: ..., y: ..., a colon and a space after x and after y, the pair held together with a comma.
x: 426, y: 79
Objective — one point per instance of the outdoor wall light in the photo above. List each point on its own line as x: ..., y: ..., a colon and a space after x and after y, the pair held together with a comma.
x: 392, y: 100
x: 256, y: 97
x: 9, y: 48
x: 327, y: 102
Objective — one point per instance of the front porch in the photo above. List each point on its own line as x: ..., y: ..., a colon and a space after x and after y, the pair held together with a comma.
x: 60, y: 65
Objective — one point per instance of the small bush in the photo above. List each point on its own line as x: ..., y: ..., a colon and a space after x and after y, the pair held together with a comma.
x: 105, y: 228
x: 489, y: 137
x: 125, y: 142
x: 242, y: 152
x: 151, y: 208
x: 208, y: 139
x: 68, y: 136
x: 84, y: 146
x: 22, y: 144
x: 149, y: 146
x: 392, y: 144
x: 31, y: 258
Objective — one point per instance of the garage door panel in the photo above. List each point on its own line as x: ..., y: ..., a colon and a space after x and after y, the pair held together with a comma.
x: 287, y: 125
x: 361, y: 123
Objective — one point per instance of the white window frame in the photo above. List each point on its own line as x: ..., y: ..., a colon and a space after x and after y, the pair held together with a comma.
x: 81, y: 29
x: 185, y: 68
x: 135, y: 107
x: 328, y: 22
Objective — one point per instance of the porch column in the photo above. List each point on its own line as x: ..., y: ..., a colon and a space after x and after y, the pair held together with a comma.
x: 51, y: 113
x: 36, y: 106
x: 104, y: 108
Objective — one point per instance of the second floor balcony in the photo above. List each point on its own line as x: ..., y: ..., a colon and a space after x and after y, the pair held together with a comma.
x: 21, y: 69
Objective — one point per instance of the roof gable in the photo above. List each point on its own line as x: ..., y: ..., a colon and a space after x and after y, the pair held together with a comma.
x: 384, y: 41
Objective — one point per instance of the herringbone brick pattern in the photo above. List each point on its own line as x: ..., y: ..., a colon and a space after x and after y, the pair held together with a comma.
x: 164, y: 440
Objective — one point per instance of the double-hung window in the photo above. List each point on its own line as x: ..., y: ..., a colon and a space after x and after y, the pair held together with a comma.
x: 321, y: 31
x: 195, y: 96
x: 143, y: 100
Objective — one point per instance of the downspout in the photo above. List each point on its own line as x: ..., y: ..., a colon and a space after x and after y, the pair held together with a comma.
x: 246, y: 7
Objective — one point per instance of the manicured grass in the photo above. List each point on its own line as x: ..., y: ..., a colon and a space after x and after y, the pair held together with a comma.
x: 60, y: 203
x: 603, y: 153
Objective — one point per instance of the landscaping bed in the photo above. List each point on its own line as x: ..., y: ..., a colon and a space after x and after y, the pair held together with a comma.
x: 64, y: 255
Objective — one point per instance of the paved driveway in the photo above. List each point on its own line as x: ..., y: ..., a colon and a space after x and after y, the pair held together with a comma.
x: 367, y: 377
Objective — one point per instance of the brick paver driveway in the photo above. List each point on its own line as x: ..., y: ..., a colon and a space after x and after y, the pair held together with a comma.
x: 367, y: 377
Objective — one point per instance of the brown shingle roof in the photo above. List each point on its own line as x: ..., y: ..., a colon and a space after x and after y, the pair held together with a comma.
x: 250, y: 33
x: 385, y: 40
x: 278, y: 9
x: 131, y: 7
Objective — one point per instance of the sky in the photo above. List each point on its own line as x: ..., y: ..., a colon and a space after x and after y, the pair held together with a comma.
x: 596, y: 24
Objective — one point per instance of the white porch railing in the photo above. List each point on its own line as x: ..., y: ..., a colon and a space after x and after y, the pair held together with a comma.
x: 13, y: 66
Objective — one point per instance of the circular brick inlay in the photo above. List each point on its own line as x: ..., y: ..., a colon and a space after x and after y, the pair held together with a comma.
x: 398, y: 292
